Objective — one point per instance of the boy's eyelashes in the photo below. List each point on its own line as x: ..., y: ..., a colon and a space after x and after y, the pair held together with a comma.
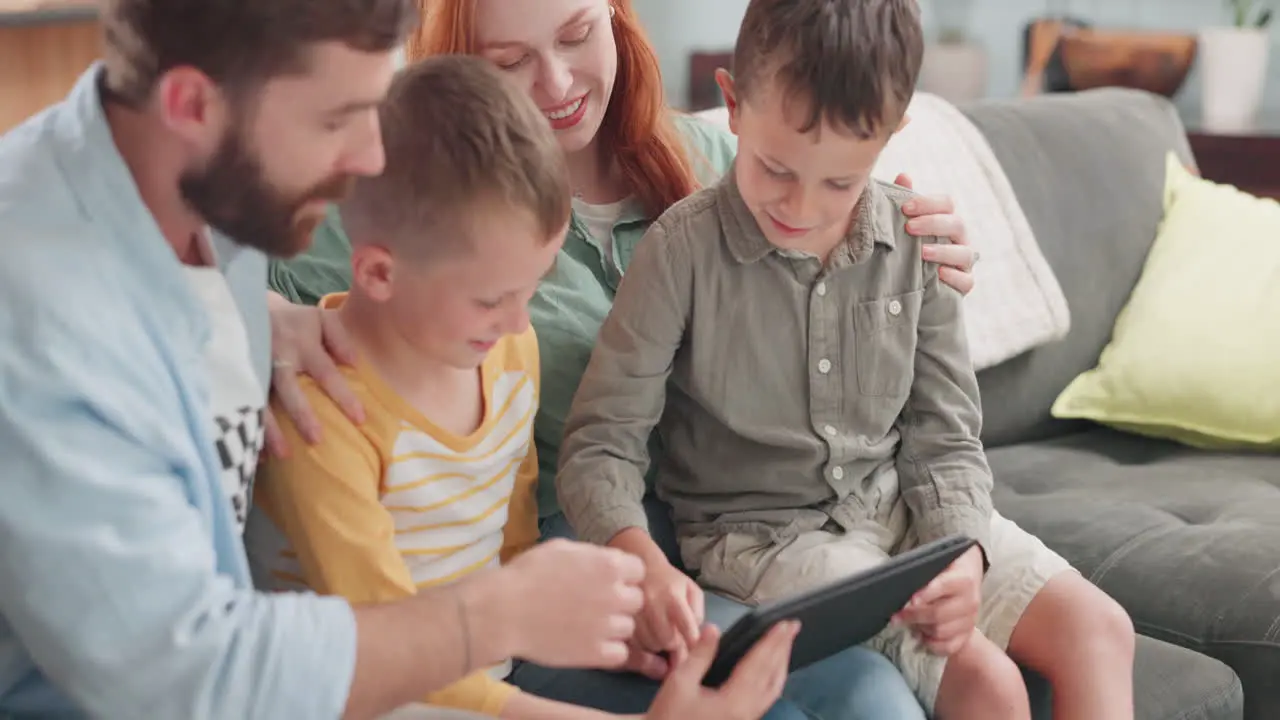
x: 781, y: 174
x: 494, y: 304
x: 776, y: 172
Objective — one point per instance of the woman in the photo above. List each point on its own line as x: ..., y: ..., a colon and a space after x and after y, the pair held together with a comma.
x: 587, y: 64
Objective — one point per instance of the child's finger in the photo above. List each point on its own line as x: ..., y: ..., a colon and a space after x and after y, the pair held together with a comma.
x: 655, y: 631
x: 948, y: 583
x: 698, y: 603
x: 682, y: 619
x: 644, y: 662
x: 956, y: 608
x: 923, y: 615
x: 947, y: 646
x: 943, y: 610
x: 951, y: 629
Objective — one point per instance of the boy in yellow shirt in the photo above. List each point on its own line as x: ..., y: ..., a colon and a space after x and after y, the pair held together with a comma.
x: 438, y: 482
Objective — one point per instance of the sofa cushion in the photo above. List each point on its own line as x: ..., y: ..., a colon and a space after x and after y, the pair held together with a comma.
x: 1174, y: 683
x: 1209, y: 283
x: 1187, y: 541
x: 1088, y: 170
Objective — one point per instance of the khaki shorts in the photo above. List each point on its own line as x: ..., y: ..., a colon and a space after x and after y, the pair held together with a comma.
x: 756, y: 568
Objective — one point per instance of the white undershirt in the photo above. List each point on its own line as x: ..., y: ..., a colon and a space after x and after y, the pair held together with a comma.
x: 235, y: 393
x: 600, y: 220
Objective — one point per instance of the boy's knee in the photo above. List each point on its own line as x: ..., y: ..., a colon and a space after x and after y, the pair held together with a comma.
x: 1089, y: 619
x: 983, y: 680
x: 1105, y: 627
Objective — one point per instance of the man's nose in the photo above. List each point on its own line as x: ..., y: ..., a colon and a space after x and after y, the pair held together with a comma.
x: 366, y: 156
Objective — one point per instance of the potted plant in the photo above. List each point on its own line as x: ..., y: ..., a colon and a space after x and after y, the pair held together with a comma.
x: 1233, y: 63
x: 955, y: 66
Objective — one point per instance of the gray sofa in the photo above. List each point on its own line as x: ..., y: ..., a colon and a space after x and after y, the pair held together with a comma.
x: 1187, y: 541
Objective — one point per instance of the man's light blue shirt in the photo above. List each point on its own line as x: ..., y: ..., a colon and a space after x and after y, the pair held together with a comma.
x: 124, y: 588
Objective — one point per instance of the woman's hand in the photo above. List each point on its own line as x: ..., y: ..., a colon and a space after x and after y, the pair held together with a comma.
x: 935, y: 215
x: 311, y: 341
x: 753, y: 688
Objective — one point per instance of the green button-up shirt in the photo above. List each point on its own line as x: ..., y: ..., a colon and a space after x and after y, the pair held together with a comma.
x: 788, y: 393
x: 567, y: 310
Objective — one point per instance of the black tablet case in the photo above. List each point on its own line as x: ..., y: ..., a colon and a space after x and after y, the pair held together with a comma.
x: 842, y: 614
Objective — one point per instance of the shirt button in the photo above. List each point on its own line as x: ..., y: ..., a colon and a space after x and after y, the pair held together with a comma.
x: 822, y: 289
x: 824, y: 366
x: 895, y: 308
x: 837, y: 472
x: 830, y: 430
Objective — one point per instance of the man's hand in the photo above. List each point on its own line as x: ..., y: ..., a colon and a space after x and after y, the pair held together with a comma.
x: 560, y: 604
x: 754, y: 686
x: 945, y: 612
x: 311, y: 341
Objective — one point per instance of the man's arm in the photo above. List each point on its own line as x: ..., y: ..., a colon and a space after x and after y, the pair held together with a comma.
x: 108, y: 572
x: 604, y: 454
x: 109, y: 578
x: 431, y: 640
x: 941, y: 465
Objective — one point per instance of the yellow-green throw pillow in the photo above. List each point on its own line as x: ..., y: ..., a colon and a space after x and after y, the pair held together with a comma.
x: 1195, y: 354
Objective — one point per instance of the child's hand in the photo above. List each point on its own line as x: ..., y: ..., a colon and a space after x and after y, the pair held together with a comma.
x: 945, y: 611
x: 673, y: 612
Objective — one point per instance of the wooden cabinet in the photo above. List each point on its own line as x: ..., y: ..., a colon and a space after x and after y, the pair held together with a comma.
x: 1248, y: 160
x: 42, y: 52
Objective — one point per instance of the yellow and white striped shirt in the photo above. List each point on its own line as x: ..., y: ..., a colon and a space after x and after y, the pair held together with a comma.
x: 379, y: 510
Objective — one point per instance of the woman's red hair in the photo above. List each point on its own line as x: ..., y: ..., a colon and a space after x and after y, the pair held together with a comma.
x: 637, y: 125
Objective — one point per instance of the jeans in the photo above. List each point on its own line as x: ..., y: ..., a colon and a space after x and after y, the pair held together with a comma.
x: 856, y: 684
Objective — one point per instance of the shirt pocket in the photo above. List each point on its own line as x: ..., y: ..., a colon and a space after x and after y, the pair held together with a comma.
x: 885, y: 343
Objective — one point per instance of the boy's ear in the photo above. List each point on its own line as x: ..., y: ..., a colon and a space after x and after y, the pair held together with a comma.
x: 725, y: 81
x: 906, y: 120
x: 372, y: 270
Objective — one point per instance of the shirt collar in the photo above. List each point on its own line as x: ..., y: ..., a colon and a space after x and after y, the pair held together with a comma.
x: 748, y: 244
x: 84, y: 150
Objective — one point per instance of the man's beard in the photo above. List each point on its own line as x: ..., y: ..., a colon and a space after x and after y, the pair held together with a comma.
x: 232, y: 194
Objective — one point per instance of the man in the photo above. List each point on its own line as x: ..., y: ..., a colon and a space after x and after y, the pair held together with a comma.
x: 132, y: 393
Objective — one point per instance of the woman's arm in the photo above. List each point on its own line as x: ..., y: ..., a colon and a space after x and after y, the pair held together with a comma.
x: 306, y: 340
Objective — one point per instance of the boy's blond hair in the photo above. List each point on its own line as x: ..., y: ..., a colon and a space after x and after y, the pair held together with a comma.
x: 459, y: 140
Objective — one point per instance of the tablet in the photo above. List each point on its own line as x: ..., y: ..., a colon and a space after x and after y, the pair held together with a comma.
x: 842, y: 614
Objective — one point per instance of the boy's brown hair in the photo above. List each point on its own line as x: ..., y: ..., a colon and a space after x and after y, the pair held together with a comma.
x: 855, y: 62
x: 459, y: 139
x: 239, y: 44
